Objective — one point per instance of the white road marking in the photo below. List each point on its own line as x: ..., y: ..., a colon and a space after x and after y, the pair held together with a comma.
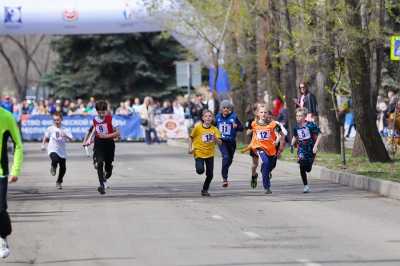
x: 308, y: 262
x: 252, y: 235
x: 217, y: 217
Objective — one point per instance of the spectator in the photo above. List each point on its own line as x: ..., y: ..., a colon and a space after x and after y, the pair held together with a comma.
x: 393, y: 97
x: 7, y: 104
x: 147, y: 114
x: 167, y: 108
x: 136, y: 105
x: 277, y: 106
x: 309, y: 101
x: 178, y: 107
x: 197, y: 107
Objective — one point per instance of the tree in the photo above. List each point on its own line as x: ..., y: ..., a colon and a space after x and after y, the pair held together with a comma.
x: 359, y: 69
x: 27, y: 58
x: 114, y: 65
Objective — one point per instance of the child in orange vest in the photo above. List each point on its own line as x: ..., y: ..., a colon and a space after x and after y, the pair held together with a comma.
x: 266, y: 133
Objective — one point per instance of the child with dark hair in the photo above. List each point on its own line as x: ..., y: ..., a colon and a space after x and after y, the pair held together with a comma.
x: 202, y: 142
x: 57, y: 136
x: 104, y: 145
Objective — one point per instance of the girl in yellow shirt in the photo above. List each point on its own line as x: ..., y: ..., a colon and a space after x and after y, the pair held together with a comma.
x: 202, y: 142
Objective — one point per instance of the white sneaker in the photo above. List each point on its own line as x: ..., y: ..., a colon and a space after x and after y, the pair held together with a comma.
x: 306, y: 189
x: 107, y: 184
x: 4, y: 249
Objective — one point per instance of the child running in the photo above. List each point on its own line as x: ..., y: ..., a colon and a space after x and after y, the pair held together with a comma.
x: 264, y: 144
x: 307, y: 136
x: 228, y: 124
x: 56, y: 135
x: 104, y: 145
x: 8, y: 130
x: 202, y: 142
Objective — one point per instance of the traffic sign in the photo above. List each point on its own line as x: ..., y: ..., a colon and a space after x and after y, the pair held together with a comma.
x: 395, y: 48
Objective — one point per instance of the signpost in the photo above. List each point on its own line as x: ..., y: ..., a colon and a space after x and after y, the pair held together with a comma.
x: 395, y: 48
x: 188, y: 74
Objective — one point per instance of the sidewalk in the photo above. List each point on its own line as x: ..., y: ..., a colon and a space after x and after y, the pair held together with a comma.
x: 381, y: 187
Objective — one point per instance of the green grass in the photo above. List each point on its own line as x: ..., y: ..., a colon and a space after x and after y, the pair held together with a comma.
x: 355, y: 165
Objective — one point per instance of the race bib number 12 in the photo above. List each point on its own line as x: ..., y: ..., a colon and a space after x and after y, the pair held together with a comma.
x: 263, y: 135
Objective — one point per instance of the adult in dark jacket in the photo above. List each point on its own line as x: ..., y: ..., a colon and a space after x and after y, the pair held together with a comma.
x: 309, y: 101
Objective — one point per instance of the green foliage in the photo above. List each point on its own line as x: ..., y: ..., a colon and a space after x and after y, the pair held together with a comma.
x: 114, y: 66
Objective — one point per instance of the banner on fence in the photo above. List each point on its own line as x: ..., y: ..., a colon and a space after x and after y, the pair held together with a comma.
x: 34, y: 126
x: 170, y: 126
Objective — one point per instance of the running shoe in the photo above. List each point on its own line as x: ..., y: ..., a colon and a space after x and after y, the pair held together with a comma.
x: 268, y: 191
x: 205, y: 193
x: 107, y: 184
x: 306, y: 189
x: 58, y: 185
x: 225, y: 183
x: 53, y: 171
x: 4, y: 249
x: 101, y: 190
x: 253, y: 182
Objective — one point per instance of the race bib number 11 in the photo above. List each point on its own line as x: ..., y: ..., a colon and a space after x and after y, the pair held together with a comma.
x: 225, y: 129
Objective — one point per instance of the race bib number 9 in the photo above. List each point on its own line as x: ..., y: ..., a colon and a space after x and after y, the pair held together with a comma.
x: 225, y: 129
x: 303, y: 133
x: 263, y: 135
x: 207, y: 138
x: 102, y: 129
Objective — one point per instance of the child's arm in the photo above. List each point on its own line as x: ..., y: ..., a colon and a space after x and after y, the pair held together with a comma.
x: 88, y: 136
x: 66, y: 134
x: 315, y: 148
x: 190, y: 147
x: 44, y: 141
x: 239, y: 126
x: 218, y: 141
x: 293, y: 141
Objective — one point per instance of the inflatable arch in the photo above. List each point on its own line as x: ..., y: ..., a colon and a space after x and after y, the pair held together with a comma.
x: 68, y: 17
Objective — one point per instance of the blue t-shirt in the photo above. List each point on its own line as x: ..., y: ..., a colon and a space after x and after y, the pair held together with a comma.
x: 306, y: 136
x: 225, y: 126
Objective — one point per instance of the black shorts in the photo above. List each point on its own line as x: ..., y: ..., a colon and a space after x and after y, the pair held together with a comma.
x: 253, y: 154
x: 104, y: 150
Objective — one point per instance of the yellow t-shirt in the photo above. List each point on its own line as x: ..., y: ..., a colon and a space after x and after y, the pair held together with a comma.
x: 203, y: 140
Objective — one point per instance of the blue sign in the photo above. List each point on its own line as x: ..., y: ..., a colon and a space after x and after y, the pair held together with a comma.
x: 34, y: 126
x: 395, y: 48
x: 13, y: 15
x: 223, y: 84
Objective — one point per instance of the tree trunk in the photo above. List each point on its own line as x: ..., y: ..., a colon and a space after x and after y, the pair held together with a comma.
x: 290, y: 67
x: 328, y: 122
x: 359, y: 72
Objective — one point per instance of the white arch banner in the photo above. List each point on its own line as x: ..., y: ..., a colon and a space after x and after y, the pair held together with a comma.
x: 66, y: 17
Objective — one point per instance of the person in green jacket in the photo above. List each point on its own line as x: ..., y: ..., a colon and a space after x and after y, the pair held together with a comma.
x: 8, y: 129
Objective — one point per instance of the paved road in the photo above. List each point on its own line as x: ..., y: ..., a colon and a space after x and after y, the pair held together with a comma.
x: 154, y: 215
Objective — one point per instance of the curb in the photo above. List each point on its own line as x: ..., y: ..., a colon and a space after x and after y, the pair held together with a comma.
x: 381, y: 187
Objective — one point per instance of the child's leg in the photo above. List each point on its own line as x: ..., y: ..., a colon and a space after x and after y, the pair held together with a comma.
x: 254, y: 166
x: 209, y: 172
x: 63, y: 169
x: 265, y: 168
x: 100, y: 172
x: 54, y: 160
x: 199, y: 164
x: 225, y: 160
x: 108, y: 167
x: 303, y: 173
x: 5, y: 222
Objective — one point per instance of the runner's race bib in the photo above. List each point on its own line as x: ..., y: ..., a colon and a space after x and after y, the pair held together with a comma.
x: 207, y: 138
x: 303, y: 133
x: 225, y: 129
x: 102, y: 129
x: 263, y: 135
